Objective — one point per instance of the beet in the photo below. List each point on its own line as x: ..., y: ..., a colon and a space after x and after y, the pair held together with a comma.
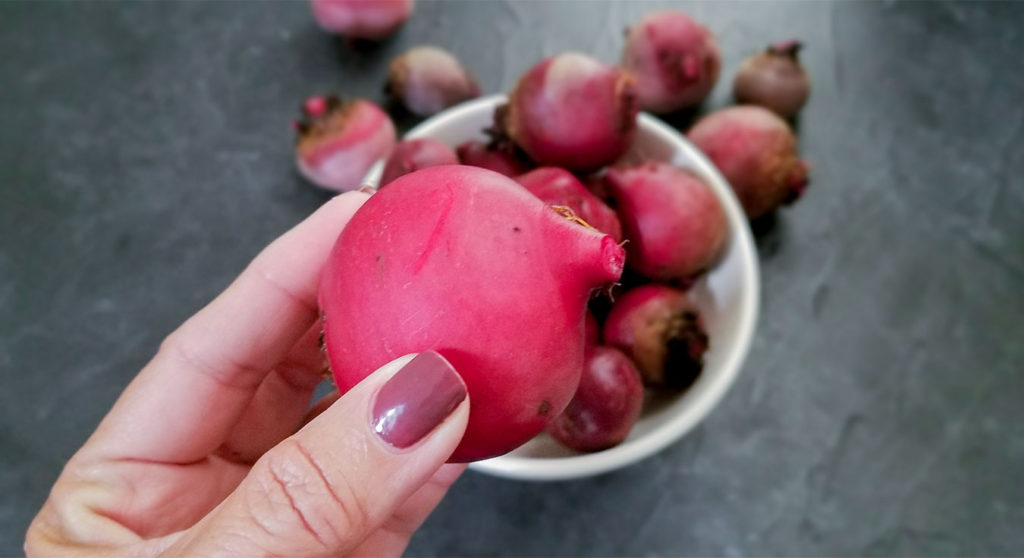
x: 675, y: 61
x: 360, y: 19
x: 660, y: 328
x: 558, y: 187
x: 606, y: 405
x: 338, y: 141
x: 756, y: 152
x: 774, y: 79
x: 497, y: 156
x: 415, y: 154
x: 572, y: 111
x: 674, y: 223
x: 462, y: 279
x: 427, y: 80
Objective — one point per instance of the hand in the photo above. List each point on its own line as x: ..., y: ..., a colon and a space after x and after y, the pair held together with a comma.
x: 200, y: 454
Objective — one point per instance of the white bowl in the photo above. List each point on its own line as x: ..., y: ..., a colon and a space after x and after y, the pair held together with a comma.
x: 727, y: 298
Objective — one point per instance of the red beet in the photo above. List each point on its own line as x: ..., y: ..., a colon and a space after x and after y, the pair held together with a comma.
x: 558, y: 187
x: 774, y: 79
x: 661, y: 330
x: 338, y: 141
x: 491, y: 278
x: 674, y: 222
x: 756, y: 152
x: 362, y: 19
x: 428, y: 80
x: 499, y: 157
x: 415, y: 154
x: 572, y: 111
x: 606, y: 405
x: 675, y: 61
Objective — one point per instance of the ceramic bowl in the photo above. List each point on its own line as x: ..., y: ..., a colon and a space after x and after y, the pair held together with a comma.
x: 727, y: 297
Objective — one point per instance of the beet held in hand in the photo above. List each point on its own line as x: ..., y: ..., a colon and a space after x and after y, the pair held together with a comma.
x: 572, y: 111
x: 490, y: 277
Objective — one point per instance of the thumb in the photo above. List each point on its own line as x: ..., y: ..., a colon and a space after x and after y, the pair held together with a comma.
x: 331, y: 484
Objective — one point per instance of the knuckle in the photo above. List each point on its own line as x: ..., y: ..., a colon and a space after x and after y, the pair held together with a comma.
x: 328, y: 511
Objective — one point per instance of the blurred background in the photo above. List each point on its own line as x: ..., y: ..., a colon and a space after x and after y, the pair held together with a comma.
x: 146, y: 155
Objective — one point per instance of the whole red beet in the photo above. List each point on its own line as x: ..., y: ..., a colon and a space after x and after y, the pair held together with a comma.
x: 497, y: 156
x: 557, y: 186
x: 428, y: 79
x: 491, y: 278
x: 606, y: 405
x: 572, y: 111
x: 756, y: 152
x: 415, y: 154
x: 675, y: 61
x: 674, y: 223
x: 774, y: 79
x: 338, y: 141
x: 362, y: 19
x: 661, y: 330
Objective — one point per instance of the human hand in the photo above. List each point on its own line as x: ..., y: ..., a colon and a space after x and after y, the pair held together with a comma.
x: 200, y: 454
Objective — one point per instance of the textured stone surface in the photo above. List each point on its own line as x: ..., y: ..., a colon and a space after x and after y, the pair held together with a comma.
x: 145, y: 157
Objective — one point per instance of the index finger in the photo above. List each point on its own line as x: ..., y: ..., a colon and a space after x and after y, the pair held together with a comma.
x: 184, y: 403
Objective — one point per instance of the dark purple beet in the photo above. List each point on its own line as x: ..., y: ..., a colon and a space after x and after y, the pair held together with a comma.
x: 660, y: 328
x: 606, y: 405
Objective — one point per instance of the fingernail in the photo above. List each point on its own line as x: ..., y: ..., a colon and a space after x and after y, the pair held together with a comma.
x: 417, y: 399
x: 368, y: 189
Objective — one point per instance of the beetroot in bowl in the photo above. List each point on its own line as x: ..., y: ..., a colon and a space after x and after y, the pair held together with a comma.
x: 727, y: 297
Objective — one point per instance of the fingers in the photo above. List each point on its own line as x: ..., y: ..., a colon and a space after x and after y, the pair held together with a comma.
x: 185, y: 402
x: 393, y: 536
x: 320, y: 406
x: 275, y: 411
x: 325, y: 489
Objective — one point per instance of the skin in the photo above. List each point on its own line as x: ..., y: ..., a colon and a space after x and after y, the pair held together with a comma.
x: 200, y: 454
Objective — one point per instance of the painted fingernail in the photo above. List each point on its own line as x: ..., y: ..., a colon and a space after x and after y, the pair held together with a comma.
x: 417, y: 399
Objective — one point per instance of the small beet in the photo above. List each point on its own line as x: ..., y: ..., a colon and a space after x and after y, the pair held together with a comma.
x: 674, y: 222
x: 415, y: 154
x: 497, y: 156
x: 338, y: 141
x: 661, y: 330
x: 572, y: 111
x: 675, y: 61
x: 774, y: 79
x: 428, y: 79
x: 755, y: 150
x: 462, y: 279
x: 606, y: 405
x: 558, y: 187
x: 362, y: 19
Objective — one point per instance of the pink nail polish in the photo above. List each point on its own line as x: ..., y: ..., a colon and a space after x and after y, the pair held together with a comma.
x: 416, y: 400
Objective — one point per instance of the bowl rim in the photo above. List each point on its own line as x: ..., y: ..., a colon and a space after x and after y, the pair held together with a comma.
x: 586, y: 465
